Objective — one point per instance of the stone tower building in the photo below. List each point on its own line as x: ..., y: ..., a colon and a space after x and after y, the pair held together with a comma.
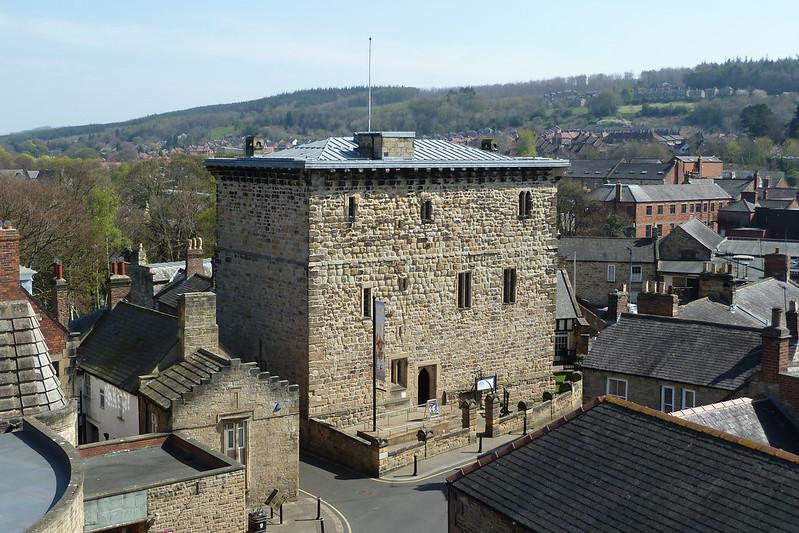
x: 458, y: 242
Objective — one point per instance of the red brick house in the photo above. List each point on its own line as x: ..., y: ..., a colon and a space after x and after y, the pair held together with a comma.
x: 655, y: 210
x: 691, y: 167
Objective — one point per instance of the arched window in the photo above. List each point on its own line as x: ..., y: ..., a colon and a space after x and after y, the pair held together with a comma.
x: 525, y: 204
x: 522, y: 204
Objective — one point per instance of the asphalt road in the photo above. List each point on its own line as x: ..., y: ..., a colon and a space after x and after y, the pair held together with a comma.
x: 417, y: 506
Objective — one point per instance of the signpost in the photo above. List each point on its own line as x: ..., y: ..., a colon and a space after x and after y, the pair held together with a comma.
x: 378, y: 352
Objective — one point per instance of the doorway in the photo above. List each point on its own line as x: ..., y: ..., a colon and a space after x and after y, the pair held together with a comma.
x: 423, y: 386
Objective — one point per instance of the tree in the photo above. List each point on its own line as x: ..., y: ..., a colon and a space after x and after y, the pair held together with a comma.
x: 759, y: 121
x: 604, y: 104
x: 792, y: 130
x: 525, y: 146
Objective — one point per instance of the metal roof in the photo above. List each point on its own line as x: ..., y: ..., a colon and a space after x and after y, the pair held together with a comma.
x: 342, y: 152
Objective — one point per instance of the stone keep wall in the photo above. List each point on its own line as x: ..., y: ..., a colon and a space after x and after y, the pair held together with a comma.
x: 292, y: 267
x: 240, y: 391
x: 262, y: 297
x: 213, y: 504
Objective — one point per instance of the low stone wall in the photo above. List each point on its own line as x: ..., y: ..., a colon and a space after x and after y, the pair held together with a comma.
x: 399, y: 457
x: 325, y: 440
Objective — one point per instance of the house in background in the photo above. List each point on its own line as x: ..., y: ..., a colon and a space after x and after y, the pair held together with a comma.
x: 571, y: 328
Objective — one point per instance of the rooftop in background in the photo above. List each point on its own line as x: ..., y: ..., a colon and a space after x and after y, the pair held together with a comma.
x: 169, y: 295
x: 759, y: 420
x: 591, y: 168
x: 694, y: 158
x: 136, y: 463
x: 28, y: 382
x: 622, y: 475
x: 753, y: 304
x: 757, y: 247
x: 700, y: 353
x: 660, y: 193
x: 611, y: 249
x: 735, y: 186
x: 641, y: 170
x: 701, y: 233
x: 166, y: 272
x: 344, y: 152
x: 128, y: 342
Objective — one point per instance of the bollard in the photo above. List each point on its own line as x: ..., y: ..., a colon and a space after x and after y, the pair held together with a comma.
x: 322, y: 524
x: 480, y: 449
x: 318, y: 508
x: 415, y: 466
x: 525, y: 423
x: 281, y: 515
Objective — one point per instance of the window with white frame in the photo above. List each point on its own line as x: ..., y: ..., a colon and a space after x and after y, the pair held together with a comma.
x: 611, y: 272
x: 666, y: 399
x: 688, y: 398
x: 235, y: 440
x: 616, y: 387
x: 636, y: 273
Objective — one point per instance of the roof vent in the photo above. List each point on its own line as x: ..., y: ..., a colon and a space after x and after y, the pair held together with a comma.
x: 489, y: 145
x: 386, y: 144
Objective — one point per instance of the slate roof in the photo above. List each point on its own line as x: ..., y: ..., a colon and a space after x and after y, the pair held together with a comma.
x: 617, y: 466
x: 182, y: 377
x: 753, y: 304
x: 640, y: 170
x: 757, y: 247
x: 615, y: 249
x: 661, y: 193
x: 169, y: 295
x: 741, y: 206
x: 775, y: 203
x: 757, y: 419
x: 701, y: 233
x: 778, y: 193
x: 28, y: 382
x: 699, y: 353
x: 342, y: 152
x: 591, y: 168
x: 128, y: 342
x: 735, y: 186
x: 566, y: 305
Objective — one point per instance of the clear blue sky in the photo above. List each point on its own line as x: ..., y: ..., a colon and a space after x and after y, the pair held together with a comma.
x: 67, y: 63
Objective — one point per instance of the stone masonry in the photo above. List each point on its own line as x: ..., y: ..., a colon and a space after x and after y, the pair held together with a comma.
x: 292, y: 267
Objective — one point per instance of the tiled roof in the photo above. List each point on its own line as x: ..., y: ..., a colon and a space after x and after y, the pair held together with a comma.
x: 699, y: 353
x: 661, y: 193
x: 128, y: 342
x: 616, y: 466
x: 169, y: 295
x: 614, y: 249
x: 28, y: 383
x: 182, y: 377
x: 342, y: 152
x: 701, y: 233
x: 759, y: 420
x: 753, y: 304
x: 566, y: 305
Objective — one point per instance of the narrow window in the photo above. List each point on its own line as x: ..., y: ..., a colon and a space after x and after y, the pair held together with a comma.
x: 522, y: 204
x: 692, y: 208
x: 352, y: 208
x: 525, y: 204
x: 649, y: 210
x: 659, y: 230
x: 683, y: 208
x: 649, y: 230
x: 713, y: 206
x: 636, y: 272
x: 672, y: 209
x: 427, y: 211
x: 660, y: 210
x: 667, y: 399
x: 102, y: 398
x: 402, y: 282
x: 509, y: 286
x: 366, y: 304
x: 561, y: 344
x: 230, y: 440
x: 87, y: 387
x: 611, y: 272
x: 704, y: 207
x: 616, y: 387
x: 688, y: 398
x: 464, y: 290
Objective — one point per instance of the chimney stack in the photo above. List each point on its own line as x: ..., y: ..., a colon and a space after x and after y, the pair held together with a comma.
x: 792, y: 319
x: 618, y: 303
x: 777, y: 265
x: 253, y: 144
x: 717, y: 281
x: 59, y: 297
x: 9, y: 263
x: 658, y: 302
x: 618, y: 192
x: 117, y: 286
x: 197, y: 323
x: 194, y: 257
x: 749, y: 196
x: 139, y: 256
x: 774, y: 349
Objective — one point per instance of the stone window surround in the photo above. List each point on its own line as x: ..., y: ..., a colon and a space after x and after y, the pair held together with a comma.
x: 509, y: 285
x: 463, y: 290
x: 366, y: 287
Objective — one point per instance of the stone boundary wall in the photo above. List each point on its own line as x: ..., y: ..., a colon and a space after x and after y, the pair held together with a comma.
x: 403, y: 456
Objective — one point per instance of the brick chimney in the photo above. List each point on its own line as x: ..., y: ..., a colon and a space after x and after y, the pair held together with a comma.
x: 59, y: 297
x: 774, y: 350
x: 197, y: 322
x: 777, y: 265
x: 618, y: 303
x: 9, y: 264
x: 618, y: 190
x: 656, y: 301
x: 792, y: 319
x: 194, y: 257
x: 117, y: 286
x: 749, y: 196
x: 717, y: 281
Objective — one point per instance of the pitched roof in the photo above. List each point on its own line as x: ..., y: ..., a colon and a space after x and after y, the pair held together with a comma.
x: 342, y: 152
x: 757, y: 247
x: 694, y: 158
x: 775, y: 203
x: 753, y: 304
x: 778, y: 193
x: 615, y: 466
x: 169, y: 294
x: 28, y: 382
x: 168, y: 271
x: 685, y: 351
x: 759, y: 420
x: 182, y: 377
x: 701, y: 233
x: 661, y: 193
x: 126, y: 343
x: 735, y: 186
x: 641, y: 170
x: 566, y: 305
x: 591, y: 168
x: 616, y: 249
x: 741, y: 206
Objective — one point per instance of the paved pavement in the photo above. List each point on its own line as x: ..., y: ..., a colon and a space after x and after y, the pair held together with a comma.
x: 397, y: 502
